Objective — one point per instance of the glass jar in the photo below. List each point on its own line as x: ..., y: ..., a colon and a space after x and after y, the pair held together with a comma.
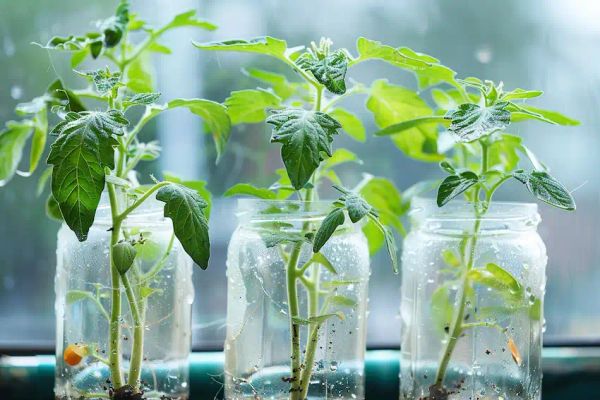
x: 161, y: 286
x: 472, y: 295
x: 296, y: 329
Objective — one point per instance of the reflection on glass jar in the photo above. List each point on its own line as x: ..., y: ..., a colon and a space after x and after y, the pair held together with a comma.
x: 472, y: 303
x: 161, y: 286
x: 296, y: 322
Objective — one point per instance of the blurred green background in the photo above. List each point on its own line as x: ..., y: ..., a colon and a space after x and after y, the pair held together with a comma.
x: 552, y: 46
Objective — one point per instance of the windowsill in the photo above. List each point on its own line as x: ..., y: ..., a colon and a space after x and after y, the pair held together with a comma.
x: 569, y: 373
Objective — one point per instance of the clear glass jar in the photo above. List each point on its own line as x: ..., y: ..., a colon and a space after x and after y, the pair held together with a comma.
x: 161, y: 283
x: 472, y: 296
x: 300, y: 340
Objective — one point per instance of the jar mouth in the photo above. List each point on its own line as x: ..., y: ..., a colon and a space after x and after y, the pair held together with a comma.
x: 149, y: 214
x: 501, y: 215
x: 264, y: 210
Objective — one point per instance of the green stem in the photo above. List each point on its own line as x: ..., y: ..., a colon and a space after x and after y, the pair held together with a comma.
x: 318, y: 98
x: 294, y: 313
x: 158, y: 266
x: 457, y: 327
x: 139, y: 201
x: 138, y: 336
x: 356, y: 89
x: 114, y: 342
x: 313, y: 339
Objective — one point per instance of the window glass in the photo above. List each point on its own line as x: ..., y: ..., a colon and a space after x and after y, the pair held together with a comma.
x: 552, y: 46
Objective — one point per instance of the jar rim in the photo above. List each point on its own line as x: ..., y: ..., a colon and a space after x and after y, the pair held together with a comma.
x: 462, y: 211
x: 150, y: 213
x: 271, y: 209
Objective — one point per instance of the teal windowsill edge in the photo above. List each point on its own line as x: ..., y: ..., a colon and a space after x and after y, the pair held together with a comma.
x: 569, y: 373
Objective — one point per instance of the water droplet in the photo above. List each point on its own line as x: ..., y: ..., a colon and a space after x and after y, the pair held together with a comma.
x: 333, y: 366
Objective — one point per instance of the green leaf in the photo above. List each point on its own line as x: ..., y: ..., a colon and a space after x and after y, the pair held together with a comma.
x: 320, y: 259
x: 278, y: 82
x: 497, y: 278
x: 371, y: 49
x: 283, y: 186
x: 342, y: 301
x: 148, y: 250
x: 185, y: 208
x: 146, y: 291
x: 84, y: 147
x: 214, y: 115
x: 450, y: 99
x: 140, y: 74
x: 375, y: 237
x: 246, y: 189
x: 305, y: 135
x: 442, y: 309
x: 38, y: 141
x: 521, y: 94
x: 339, y: 157
x: 334, y: 219
x: 73, y: 296
x: 503, y: 152
x: 60, y: 95
x: 52, y: 208
x: 78, y: 46
x: 535, y: 310
x: 115, y: 27
x: 319, y: 319
x: 470, y: 121
x: 123, y: 255
x: 433, y: 120
x: 12, y: 143
x: 524, y: 112
x: 454, y: 185
x: 274, y: 238
x: 42, y: 181
x: 147, y: 151
x: 391, y: 246
x: 188, y: 18
x: 339, y: 283
x: 357, y: 207
x: 198, y: 186
x: 546, y: 188
x: 159, y: 48
x: 250, y: 106
x: 140, y: 99
x: 505, y: 278
x: 350, y: 123
x: 329, y: 71
x: 427, y: 69
x: 392, y: 104
x: 103, y: 79
x: 262, y: 45
x: 450, y: 258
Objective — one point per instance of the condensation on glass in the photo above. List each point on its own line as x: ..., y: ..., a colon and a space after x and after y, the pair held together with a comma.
x: 161, y: 278
x: 257, y: 346
x: 497, y: 354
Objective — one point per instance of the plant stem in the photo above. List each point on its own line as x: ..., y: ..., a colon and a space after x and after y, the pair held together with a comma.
x: 294, y: 313
x: 135, y: 370
x: 139, y: 201
x: 114, y: 342
x: 457, y: 327
x: 313, y: 339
